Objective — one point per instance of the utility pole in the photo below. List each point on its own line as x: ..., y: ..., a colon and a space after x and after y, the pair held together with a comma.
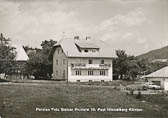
x: 67, y: 71
x: 88, y: 37
x: 63, y: 35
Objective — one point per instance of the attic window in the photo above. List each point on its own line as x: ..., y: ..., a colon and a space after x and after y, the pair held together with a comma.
x: 86, y: 50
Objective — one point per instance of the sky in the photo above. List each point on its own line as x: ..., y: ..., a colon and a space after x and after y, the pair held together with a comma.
x: 136, y: 26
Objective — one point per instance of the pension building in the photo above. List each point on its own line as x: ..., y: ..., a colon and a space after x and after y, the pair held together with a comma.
x: 83, y: 60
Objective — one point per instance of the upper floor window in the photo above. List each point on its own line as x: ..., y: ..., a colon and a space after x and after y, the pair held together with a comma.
x: 102, y: 72
x: 62, y: 51
x: 102, y: 62
x: 78, y: 72
x: 63, y: 61
x: 93, y: 50
x: 90, y: 72
x: 90, y: 61
x: 57, y: 62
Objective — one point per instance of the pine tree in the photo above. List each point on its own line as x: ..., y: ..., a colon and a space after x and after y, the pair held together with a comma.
x: 7, y: 54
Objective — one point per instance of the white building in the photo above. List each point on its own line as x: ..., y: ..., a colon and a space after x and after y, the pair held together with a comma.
x: 159, y: 77
x: 82, y: 60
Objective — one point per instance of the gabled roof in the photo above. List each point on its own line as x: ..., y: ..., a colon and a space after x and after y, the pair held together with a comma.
x: 70, y: 49
x: 163, y: 72
x: 20, y: 53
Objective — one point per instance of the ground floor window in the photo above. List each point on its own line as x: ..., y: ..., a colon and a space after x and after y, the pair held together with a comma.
x: 90, y: 72
x: 63, y: 74
x: 78, y: 72
x: 102, y: 72
x: 56, y: 72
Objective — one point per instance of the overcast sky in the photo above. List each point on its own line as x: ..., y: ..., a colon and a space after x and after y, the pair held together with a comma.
x: 136, y: 26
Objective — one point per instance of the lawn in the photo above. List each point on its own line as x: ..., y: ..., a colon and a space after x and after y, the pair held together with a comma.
x: 20, y: 100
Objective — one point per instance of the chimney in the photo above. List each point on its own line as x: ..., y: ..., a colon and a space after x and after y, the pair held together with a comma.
x: 87, y: 38
x: 76, y: 37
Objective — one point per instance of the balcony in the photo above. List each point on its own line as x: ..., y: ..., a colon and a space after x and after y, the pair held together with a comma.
x: 90, y: 66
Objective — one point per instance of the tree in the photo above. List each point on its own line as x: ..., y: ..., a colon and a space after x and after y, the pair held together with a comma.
x: 39, y: 64
x: 7, y: 55
x: 133, y: 68
x: 125, y: 65
x: 120, y: 63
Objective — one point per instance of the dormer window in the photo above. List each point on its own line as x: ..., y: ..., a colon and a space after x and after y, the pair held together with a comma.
x: 86, y: 50
x: 86, y: 47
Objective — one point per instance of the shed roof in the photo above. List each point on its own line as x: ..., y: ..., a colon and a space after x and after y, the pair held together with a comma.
x: 162, y: 73
x: 71, y: 50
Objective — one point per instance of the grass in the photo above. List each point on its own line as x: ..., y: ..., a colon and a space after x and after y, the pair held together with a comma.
x: 20, y: 100
x: 157, y: 100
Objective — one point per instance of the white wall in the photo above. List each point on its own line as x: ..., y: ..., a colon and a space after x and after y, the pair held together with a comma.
x: 166, y: 84
x: 157, y: 79
x: 74, y: 78
x: 60, y: 67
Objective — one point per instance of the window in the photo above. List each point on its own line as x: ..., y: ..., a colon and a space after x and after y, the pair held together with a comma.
x: 103, y: 72
x: 90, y: 61
x: 56, y: 62
x: 93, y: 50
x: 78, y: 80
x: 63, y: 74
x: 62, y: 51
x: 86, y: 50
x: 56, y: 72
x: 78, y: 72
x: 58, y: 51
x: 90, y: 81
x: 102, y: 81
x: 63, y: 61
x: 102, y: 62
x: 90, y: 72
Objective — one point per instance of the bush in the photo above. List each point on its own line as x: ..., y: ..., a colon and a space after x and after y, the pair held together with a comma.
x: 139, y: 95
x: 132, y: 92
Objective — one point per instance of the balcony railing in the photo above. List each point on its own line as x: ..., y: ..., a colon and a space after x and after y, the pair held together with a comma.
x: 90, y: 66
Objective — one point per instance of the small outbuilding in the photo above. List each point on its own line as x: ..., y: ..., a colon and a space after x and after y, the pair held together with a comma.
x: 18, y: 71
x: 159, y: 77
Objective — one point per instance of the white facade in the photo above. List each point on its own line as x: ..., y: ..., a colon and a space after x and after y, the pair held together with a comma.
x: 82, y: 60
x: 96, y: 68
x: 166, y: 84
x: 159, y: 77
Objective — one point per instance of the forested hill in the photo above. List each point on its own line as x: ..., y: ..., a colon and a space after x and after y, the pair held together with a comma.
x: 161, y: 53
